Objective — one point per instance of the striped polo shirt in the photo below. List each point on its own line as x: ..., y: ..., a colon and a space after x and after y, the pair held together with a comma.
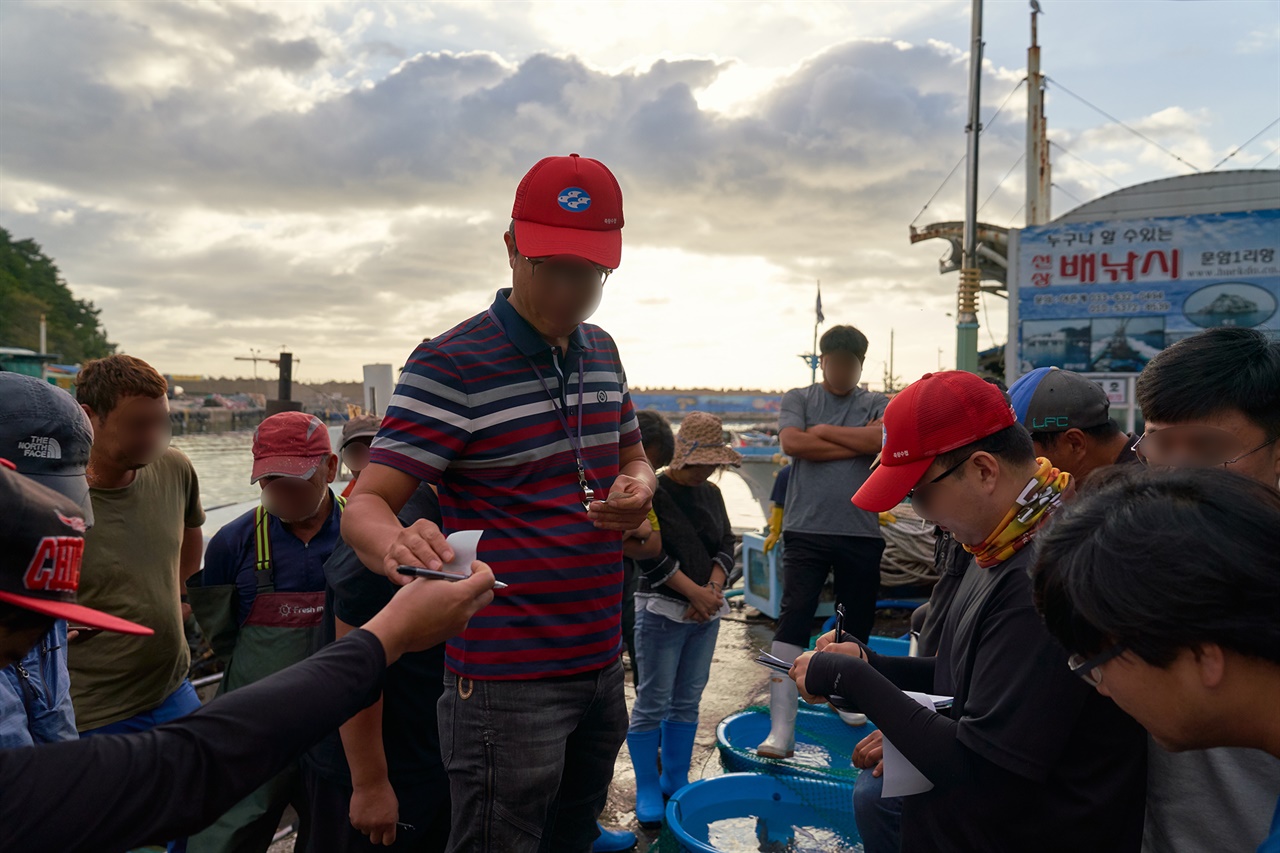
x: 470, y: 417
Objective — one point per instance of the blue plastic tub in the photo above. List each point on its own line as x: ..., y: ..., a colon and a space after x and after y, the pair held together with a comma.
x: 750, y: 811
x: 824, y: 744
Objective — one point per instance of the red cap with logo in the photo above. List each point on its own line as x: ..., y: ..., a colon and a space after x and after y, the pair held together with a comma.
x: 290, y: 444
x: 930, y: 417
x: 41, y: 546
x: 569, y: 206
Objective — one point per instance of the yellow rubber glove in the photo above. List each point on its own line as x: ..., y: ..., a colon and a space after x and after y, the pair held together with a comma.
x: 887, y: 518
x: 775, y: 529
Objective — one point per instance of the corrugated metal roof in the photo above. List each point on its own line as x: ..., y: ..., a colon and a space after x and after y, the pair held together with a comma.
x: 1208, y: 192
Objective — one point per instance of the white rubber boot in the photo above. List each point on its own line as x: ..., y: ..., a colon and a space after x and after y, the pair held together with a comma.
x: 783, y: 699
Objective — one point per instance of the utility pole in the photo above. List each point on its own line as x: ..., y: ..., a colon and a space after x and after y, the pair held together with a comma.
x: 970, y: 276
x: 1037, y: 159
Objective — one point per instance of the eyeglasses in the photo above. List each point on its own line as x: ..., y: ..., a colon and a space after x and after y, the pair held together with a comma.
x: 1088, y: 669
x: 1205, y: 448
x: 569, y: 273
x: 944, y: 475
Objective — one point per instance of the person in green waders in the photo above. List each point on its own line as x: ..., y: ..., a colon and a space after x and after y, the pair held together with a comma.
x: 260, y: 599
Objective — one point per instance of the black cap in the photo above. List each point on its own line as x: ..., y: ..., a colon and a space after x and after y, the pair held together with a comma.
x: 47, y: 436
x: 1051, y: 400
x: 41, y: 546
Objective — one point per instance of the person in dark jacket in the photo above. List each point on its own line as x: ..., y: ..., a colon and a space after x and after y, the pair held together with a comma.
x: 679, y: 602
x: 119, y: 791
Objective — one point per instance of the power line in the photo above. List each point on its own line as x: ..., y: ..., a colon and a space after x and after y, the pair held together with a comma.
x: 960, y: 162
x: 1136, y: 133
x: 1086, y: 162
x: 1021, y: 157
x: 1269, y: 156
x: 1239, y: 147
x: 1067, y: 194
x: 1016, y: 212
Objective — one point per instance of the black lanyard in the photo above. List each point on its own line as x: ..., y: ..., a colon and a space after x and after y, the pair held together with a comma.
x: 575, y: 441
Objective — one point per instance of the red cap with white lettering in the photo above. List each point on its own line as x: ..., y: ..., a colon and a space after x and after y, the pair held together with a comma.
x: 934, y: 415
x: 41, y: 545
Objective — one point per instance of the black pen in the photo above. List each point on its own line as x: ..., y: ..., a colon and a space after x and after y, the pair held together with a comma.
x: 419, y: 572
x: 839, y: 623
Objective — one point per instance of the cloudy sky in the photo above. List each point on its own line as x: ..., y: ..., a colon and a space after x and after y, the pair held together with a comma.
x: 335, y: 178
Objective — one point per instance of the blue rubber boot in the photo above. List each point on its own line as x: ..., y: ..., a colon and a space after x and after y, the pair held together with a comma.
x: 613, y: 840
x: 644, y: 758
x: 677, y: 751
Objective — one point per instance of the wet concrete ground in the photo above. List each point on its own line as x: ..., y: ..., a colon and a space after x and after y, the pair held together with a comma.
x: 736, y: 682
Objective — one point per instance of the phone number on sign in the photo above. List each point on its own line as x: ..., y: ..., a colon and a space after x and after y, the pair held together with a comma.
x: 1124, y: 302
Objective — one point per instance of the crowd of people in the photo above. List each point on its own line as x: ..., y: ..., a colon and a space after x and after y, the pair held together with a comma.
x: 1104, y: 619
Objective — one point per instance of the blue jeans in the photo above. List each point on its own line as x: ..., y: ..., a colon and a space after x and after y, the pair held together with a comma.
x: 530, y: 762
x: 675, y: 663
x: 179, y: 703
x: 879, y: 818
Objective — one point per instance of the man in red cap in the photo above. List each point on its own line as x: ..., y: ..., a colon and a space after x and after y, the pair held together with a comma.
x: 1030, y: 756
x: 260, y: 598
x: 521, y: 417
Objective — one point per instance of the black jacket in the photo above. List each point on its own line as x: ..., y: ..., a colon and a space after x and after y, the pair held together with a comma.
x: 696, y: 536
x: 116, y: 792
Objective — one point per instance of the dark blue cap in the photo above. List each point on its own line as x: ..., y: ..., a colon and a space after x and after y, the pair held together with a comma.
x: 47, y: 436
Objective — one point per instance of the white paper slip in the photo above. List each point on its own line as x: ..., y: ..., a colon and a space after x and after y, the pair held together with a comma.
x: 901, y: 778
x: 777, y: 664
x: 464, y: 543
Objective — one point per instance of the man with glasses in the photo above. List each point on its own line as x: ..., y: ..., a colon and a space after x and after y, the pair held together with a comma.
x: 522, y: 418
x: 1182, y: 633
x: 1212, y: 401
x: 1030, y: 757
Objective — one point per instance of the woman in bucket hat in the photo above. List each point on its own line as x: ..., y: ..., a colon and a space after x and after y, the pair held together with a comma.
x: 679, y: 601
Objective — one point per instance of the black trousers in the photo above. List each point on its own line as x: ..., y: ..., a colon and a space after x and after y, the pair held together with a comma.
x: 807, y: 558
x: 424, y: 807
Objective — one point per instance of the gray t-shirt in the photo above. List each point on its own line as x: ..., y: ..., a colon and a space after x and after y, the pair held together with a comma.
x: 1209, y: 799
x: 818, y: 497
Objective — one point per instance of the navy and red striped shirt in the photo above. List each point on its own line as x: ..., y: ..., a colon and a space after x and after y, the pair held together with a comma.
x: 470, y: 417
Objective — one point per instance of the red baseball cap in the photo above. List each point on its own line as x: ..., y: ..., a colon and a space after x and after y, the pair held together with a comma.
x: 569, y: 206
x: 41, y: 546
x: 930, y: 417
x: 290, y: 444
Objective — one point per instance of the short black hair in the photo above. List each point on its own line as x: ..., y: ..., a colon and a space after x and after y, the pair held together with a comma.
x: 1011, y: 444
x: 656, y: 435
x: 1163, y: 560
x: 1101, y: 432
x: 1211, y: 372
x: 843, y: 339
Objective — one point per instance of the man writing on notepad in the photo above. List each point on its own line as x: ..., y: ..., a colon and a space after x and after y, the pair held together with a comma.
x: 1030, y: 757
x: 522, y: 419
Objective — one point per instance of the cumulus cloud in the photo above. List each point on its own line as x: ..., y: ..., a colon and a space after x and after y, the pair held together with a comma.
x: 226, y: 176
